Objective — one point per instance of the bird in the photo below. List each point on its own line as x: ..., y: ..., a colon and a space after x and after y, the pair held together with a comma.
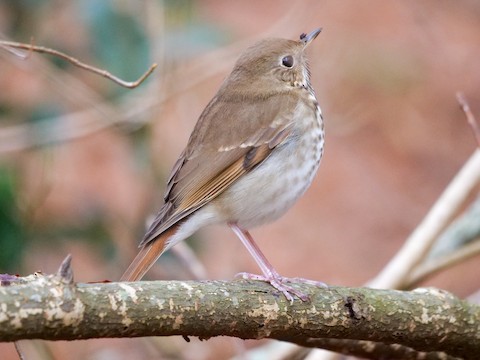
x: 252, y: 154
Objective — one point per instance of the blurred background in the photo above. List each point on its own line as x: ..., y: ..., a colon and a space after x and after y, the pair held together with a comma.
x: 83, y: 162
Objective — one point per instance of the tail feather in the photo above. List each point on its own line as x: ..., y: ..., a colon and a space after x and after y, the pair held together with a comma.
x: 147, y: 256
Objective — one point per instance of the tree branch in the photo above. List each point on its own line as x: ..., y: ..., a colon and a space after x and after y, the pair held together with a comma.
x: 431, y: 267
x: 376, y: 350
x: 10, y: 45
x: 462, y: 100
x: 55, y: 308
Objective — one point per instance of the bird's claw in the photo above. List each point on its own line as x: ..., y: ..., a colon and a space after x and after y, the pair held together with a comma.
x: 279, y: 283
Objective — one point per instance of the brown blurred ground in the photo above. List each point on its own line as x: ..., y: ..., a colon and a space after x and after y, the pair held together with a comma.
x: 385, y: 74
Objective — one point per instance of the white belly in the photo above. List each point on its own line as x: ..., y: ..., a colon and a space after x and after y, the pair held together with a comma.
x: 268, y: 191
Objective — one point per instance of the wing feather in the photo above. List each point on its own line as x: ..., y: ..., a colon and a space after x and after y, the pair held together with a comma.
x: 220, y: 151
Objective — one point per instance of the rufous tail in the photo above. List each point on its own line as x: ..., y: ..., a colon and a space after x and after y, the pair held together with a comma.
x: 147, y: 256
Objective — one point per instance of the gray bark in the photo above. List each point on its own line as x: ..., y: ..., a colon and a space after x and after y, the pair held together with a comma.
x: 55, y: 308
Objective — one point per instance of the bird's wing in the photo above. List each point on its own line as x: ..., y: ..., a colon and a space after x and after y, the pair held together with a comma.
x: 230, y: 139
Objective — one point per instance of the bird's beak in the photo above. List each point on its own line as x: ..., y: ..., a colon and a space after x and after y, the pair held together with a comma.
x: 307, y: 39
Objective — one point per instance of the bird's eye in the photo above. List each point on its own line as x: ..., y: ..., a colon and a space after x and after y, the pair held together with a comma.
x: 287, y: 61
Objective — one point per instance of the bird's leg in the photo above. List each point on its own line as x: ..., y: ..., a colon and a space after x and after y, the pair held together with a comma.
x: 270, y: 275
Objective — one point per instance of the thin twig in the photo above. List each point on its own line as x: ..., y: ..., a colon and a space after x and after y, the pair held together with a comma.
x: 13, y: 51
x: 10, y: 45
x: 432, y: 267
x: 190, y: 260
x: 19, y: 350
x: 470, y: 117
x: 375, y: 350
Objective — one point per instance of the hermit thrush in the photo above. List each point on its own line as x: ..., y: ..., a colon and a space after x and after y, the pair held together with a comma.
x: 253, y: 152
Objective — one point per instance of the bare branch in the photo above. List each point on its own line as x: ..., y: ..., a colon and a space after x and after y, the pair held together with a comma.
x: 13, y: 51
x: 376, y: 350
x: 460, y: 241
x: 46, y: 307
x: 10, y: 45
x: 436, y: 265
x: 470, y: 117
x: 464, y: 230
x: 19, y: 350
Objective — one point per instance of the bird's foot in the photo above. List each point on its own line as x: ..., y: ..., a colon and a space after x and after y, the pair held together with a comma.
x: 279, y: 282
